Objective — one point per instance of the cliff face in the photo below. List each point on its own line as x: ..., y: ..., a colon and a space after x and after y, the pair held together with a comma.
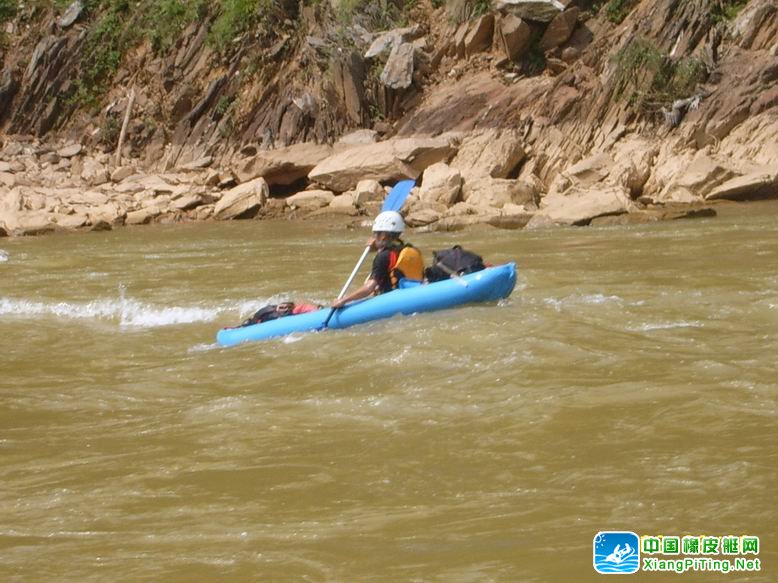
x: 665, y: 101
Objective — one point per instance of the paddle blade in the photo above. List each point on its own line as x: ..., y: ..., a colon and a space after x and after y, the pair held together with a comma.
x: 396, y: 197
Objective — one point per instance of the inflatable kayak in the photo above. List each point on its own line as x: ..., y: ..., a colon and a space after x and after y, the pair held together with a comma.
x: 488, y: 285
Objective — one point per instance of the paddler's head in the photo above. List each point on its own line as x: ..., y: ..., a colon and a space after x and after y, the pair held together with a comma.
x: 387, y: 227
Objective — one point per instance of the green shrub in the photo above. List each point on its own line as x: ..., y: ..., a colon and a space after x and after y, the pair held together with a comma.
x: 727, y: 10
x: 8, y: 9
x: 617, y: 10
x: 167, y: 18
x: 377, y: 15
x: 649, y: 80
x: 102, y: 53
x: 235, y: 18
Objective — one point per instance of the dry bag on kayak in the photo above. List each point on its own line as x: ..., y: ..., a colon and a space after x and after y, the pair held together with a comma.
x: 454, y: 261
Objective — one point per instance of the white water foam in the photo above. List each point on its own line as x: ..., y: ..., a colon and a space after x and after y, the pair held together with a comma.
x: 128, y: 312
x: 3, y: 256
x: 131, y: 313
x: 665, y: 326
x: 591, y: 299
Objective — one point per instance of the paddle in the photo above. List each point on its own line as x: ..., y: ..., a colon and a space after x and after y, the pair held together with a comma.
x: 393, y: 202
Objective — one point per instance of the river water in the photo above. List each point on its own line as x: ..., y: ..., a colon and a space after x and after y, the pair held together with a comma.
x: 629, y: 383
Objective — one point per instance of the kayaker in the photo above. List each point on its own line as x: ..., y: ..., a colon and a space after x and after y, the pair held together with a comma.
x: 275, y: 311
x: 394, y: 261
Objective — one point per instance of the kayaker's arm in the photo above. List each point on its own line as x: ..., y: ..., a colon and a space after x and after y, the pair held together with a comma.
x: 366, y: 290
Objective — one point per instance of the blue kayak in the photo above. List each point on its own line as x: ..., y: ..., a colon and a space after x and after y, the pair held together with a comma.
x: 491, y: 284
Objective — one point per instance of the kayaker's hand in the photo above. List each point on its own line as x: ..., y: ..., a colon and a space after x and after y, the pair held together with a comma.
x: 371, y: 244
x: 338, y: 304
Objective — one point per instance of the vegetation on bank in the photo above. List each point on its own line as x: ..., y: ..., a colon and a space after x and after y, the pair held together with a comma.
x: 8, y: 9
x: 617, y: 10
x: 649, y: 80
x: 726, y: 10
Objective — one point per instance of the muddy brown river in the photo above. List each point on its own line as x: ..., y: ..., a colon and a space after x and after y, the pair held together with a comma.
x: 630, y: 383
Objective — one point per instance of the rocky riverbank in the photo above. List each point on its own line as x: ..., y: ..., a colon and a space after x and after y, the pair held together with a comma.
x: 463, y: 179
x: 530, y: 114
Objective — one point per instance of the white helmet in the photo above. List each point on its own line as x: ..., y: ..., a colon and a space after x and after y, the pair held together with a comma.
x: 389, y: 222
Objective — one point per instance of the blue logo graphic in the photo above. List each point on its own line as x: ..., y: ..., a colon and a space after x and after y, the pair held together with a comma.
x: 616, y: 552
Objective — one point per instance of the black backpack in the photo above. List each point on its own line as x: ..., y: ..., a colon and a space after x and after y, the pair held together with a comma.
x: 454, y: 261
x: 262, y: 315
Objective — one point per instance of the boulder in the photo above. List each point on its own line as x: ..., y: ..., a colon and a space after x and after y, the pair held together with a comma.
x: 458, y: 45
x: 110, y: 213
x: 243, y: 201
x: 198, y: 164
x: 479, y: 37
x: 368, y: 191
x: 570, y: 55
x: 515, y: 37
x: 497, y: 192
x: 359, y: 138
x: 5, y: 167
x: 420, y: 205
x: 344, y: 200
x: 462, y: 209
x: 633, y: 161
x: 72, y: 14
x: 385, y: 161
x: 129, y: 187
x: 584, y: 173
x: 422, y: 217
x: 94, y: 173
x: 537, y: 10
x: 70, y: 221
x: 441, y: 184
x: 34, y: 201
x: 756, y: 185
x: 30, y: 223
x: 560, y: 30
x: 142, y: 216
x: 12, y: 149
x: 7, y: 179
x: 348, y: 211
x: 99, y: 225
x: 88, y: 197
x: 203, y: 213
x: 492, y: 152
x: 392, y: 38
x: 162, y: 202
x: 511, y: 221
x: 310, y: 200
x: 579, y: 205
x: 121, y: 173
x: 186, y: 202
x: 69, y: 151
x: 653, y: 216
x: 692, y: 181
x: 398, y: 71
x: 211, y: 178
x: 459, y: 223
x: 283, y: 166
x: 50, y: 158
x: 161, y: 184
